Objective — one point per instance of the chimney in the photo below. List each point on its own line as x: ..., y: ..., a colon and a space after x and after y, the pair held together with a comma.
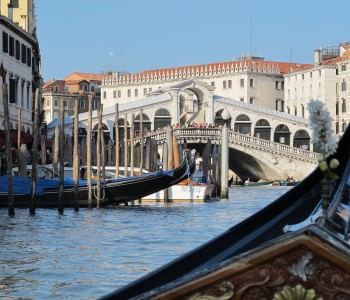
x: 317, y: 56
x: 10, y: 12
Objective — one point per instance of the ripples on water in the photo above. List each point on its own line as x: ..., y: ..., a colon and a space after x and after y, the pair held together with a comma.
x: 90, y: 253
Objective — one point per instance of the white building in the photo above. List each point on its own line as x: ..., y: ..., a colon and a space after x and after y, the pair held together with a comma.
x: 20, y: 56
x: 325, y: 80
x: 250, y: 80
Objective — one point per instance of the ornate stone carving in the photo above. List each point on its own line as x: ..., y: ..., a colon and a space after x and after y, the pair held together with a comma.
x: 225, y: 291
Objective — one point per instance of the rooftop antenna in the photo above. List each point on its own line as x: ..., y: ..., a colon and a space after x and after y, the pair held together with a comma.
x: 251, y: 36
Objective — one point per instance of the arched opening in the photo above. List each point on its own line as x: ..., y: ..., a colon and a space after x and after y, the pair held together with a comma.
x: 262, y: 130
x: 302, y: 139
x: 282, y: 135
x: 219, y: 121
x: 105, y: 130
x: 162, y: 118
x: 243, y: 124
x: 146, y: 122
x: 121, y: 130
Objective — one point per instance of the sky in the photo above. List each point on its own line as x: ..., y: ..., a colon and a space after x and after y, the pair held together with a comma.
x: 137, y: 35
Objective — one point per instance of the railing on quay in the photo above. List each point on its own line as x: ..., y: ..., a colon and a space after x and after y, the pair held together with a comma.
x: 203, y: 134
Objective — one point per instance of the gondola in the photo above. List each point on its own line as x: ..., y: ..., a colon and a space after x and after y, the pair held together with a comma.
x: 116, y: 191
x: 294, y: 248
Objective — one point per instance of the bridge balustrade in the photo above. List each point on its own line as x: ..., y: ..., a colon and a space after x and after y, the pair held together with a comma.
x: 214, y: 134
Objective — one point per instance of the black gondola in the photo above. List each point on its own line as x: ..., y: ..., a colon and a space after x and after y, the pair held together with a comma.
x: 117, y: 191
x: 294, y: 246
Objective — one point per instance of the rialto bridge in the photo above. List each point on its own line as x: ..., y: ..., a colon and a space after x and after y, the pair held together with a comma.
x: 264, y: 143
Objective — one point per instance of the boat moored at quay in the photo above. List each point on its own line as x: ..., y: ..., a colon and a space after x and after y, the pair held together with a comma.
x: 114, y: 192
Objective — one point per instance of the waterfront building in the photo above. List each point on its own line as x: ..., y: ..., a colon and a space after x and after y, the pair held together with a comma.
x: 21, y: 12
x: 20, y: 56
x: 326, y: 80
x: 75, y: 86
x: 250, y: 80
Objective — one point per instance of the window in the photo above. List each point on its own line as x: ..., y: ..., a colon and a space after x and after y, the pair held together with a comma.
x: 95, y: 104
x: 82, y: 104
x: 230, y: 84
x: 104, y: 94
x: 136, y: 92
x: 295, y: 111
x: 114, y: 94
x: 251, y: 82
x: 29, y: 57
x: 337, y: 108
x: 5, y: 42
x: 12, y: 46
x: 343, y: 67
x: 343, y: 106
x: 343, y: 86
x: 66, y: 88
x: 224, y: 84
x: 149, y: 90
x: 212, y: 83
x: 303, y: 111
x: 56, y: 102
x: 145, y: 91
x: 310, y: 74
x: 51, y: 88
x: 18, y: 50
x: 242, y: 99
x: 319, y: 72
x: 12, y: 91
x: 343, y: 126
x: 129, y: 93
x: 119, y: 94
x: 48, y: 102
x: 282, y: 85
x: 337, y: 128
x: 242, y: 83
x: 276, y: 85
x: 24, y: 54
x: 302, y: 76
x: 65, y: 103
x: 57, y: 89
x: 92, y: 88
x: 251, y: 100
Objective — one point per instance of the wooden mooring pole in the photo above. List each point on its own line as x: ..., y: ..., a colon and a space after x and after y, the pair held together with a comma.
x: 11, y: 210
x: 35, y: 152
x: 61, y: 159
x: 76, y: 163
x: 125, y: 145
x: 116, y: 126
x: 88, y: 152
x: 98, y: 150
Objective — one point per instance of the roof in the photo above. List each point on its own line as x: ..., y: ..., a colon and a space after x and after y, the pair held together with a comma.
x: 84, y: 76
x: 249, y: 64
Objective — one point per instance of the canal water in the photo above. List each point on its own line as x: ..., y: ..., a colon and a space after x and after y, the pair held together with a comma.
x: 90, y: 253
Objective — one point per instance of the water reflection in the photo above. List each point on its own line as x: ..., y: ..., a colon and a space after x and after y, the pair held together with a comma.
x: 87, y: 254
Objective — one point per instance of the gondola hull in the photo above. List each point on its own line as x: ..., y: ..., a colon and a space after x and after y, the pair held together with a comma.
x: 112, y: 192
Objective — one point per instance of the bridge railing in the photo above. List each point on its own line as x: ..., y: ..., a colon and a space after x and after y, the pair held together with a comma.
x: 271, y: 146
x: 203, y: 134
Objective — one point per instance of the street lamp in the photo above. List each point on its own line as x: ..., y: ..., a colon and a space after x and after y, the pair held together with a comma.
x: 224, y: 154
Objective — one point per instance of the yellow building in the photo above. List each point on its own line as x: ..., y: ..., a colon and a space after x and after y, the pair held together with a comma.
x: 20, y: 12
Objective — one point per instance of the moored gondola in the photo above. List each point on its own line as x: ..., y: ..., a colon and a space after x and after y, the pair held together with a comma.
x: 117, y: 191
x: 295, y: 246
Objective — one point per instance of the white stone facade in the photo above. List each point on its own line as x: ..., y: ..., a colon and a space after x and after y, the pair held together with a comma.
x: 326, y: 80
x: 20, y: 58
x: 251, y: 80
